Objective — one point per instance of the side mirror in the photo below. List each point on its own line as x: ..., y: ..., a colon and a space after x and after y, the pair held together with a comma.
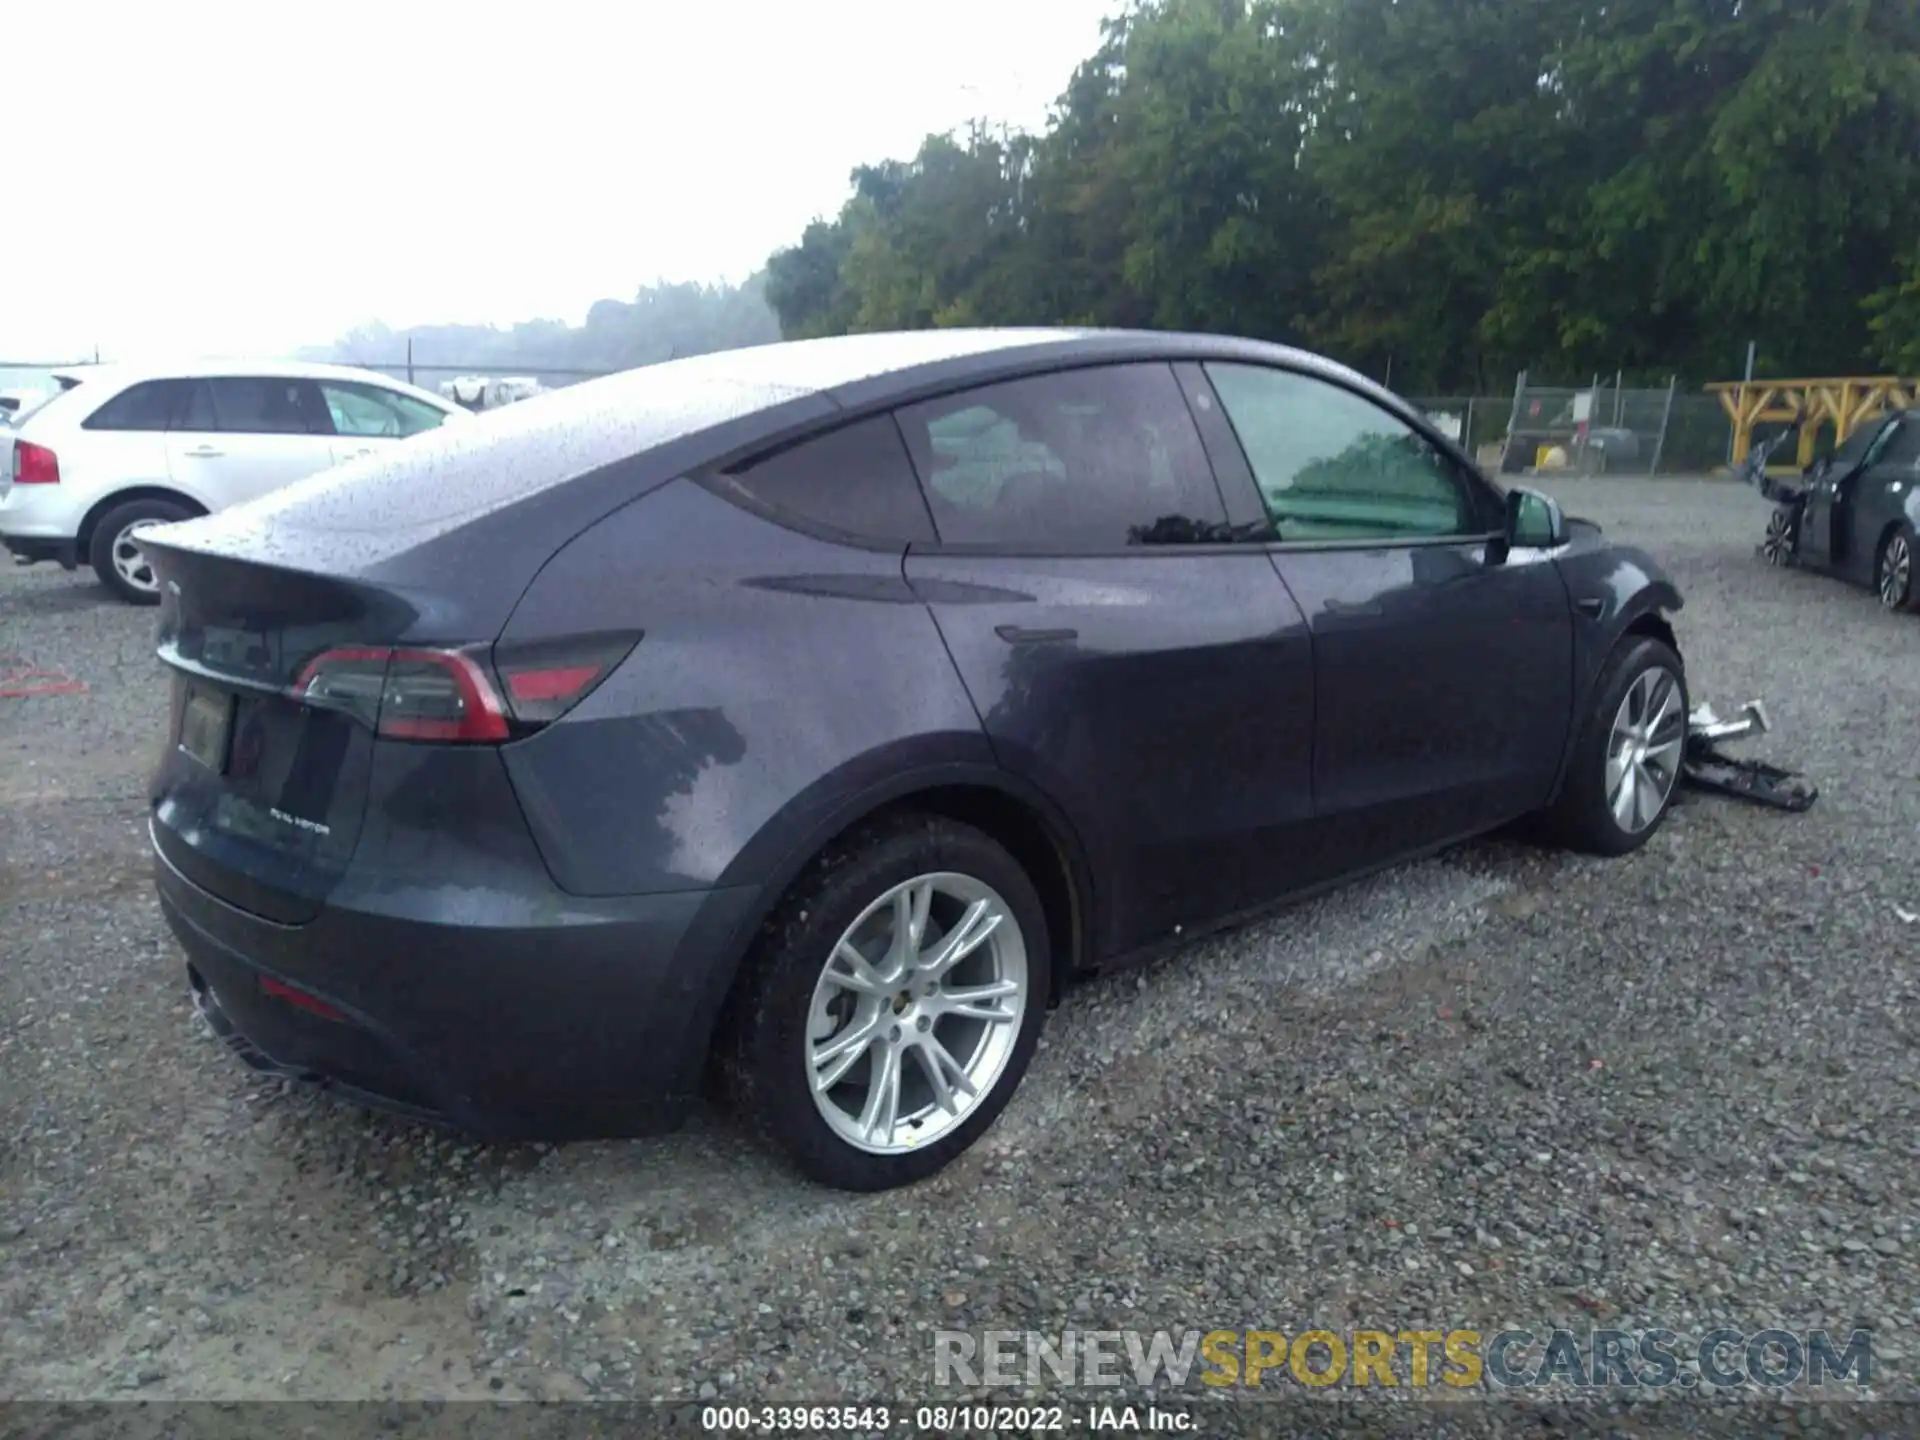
x: 1534, y: 521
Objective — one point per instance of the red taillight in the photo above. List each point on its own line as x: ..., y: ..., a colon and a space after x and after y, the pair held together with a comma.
x: 540, y: 685
x: 545, y: 679
x: 34, y: 464
x: 450, y: 696
x: 440, y: 695
x: 300, y: 999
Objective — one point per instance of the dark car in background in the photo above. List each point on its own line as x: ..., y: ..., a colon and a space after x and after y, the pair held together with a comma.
x: 804, y: 716
x: 1855, y: 513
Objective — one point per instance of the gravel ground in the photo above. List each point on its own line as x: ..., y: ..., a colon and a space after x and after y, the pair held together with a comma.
x: 1498, y: 1087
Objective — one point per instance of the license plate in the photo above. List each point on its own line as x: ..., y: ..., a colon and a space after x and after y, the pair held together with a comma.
x: 205, y: 722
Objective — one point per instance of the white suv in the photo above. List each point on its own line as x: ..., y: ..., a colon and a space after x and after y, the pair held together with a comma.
x: 120, y: 448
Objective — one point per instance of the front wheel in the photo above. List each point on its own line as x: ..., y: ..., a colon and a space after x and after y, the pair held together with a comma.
x: 892, y: 1004
x: 1894, y: 571
x: 1625, y: 767
x: 114, y: 550
x: 1778, y: 546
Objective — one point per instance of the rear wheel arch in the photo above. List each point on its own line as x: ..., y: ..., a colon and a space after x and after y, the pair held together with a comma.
x: 1021, y: 820
x: 84, y: 536
x: 1042, y: 844
x: 1032, y: 829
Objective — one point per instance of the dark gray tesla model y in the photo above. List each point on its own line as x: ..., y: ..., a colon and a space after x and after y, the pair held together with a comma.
x: 802, y: 716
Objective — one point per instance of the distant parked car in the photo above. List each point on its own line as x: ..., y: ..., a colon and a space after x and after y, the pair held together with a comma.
x: 483, y: 392
x: 810, y: 708
x: 119, y: 448
x: 1855, y: 512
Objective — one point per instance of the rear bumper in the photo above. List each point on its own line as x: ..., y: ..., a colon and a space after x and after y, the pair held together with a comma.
x: 31, y: 549
x: 589, y: 1022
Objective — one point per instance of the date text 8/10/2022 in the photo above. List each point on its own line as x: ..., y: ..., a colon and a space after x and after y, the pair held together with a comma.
x: 942, y: 1419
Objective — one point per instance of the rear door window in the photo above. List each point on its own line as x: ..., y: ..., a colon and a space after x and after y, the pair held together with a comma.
x: 1851, y: 451
x: 257, y: 405
x: 371, y: 412
x: 1903, y: 450
x: 856, y: 481
x: 150, y: 405
x: 1092, y: 460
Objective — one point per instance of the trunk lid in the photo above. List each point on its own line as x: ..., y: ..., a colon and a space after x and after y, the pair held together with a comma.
x: 258, y: 798
x: 400, y: 559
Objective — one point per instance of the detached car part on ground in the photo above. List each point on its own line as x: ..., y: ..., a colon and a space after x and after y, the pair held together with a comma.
x: 1854, y: 513
x: 803, y: 715
x: 1708, y: 767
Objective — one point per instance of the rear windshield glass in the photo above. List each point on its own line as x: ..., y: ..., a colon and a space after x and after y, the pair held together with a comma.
x: 32, y: 403
x: 447, y: 476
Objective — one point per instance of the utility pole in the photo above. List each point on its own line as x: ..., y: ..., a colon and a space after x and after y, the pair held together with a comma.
x: 1666, y: 417
x: 1745, y: 380
x: 1513, y: 418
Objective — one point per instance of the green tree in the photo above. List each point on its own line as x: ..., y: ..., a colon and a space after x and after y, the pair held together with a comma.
x: 1223, y: 227
x: 1894, y: 319
x: 804, y: 284
x: 1438, y: 144
x: 1754, y: 171
x: 1460, y: 187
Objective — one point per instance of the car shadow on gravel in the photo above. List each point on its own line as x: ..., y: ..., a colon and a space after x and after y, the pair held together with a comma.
x: 84, y: 593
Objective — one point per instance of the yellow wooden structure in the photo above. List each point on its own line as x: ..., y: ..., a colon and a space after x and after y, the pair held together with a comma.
x: 1846, y: 401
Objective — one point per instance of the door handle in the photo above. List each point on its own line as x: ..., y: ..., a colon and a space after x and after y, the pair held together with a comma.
x: 1020, y: 635
x: 1353, y: 607
x: 1593, y: 607
x: 206, y: 452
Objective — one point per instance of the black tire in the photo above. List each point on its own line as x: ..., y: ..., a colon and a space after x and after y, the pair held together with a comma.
x: 763, y: 1041
x: 107, y: 531
x: 1899, y: 546
x: 1782, y: 540
x: 1581, y: 817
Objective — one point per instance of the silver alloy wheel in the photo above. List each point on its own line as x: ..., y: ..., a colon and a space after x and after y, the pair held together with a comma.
x: 916, y: 1012
x: 1779, y: 542
x: 128, y: 563
x: 1645, y: 749
x: 1896, y: 571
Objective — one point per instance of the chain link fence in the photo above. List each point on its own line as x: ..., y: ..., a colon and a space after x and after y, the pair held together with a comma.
x: 1600, y: 428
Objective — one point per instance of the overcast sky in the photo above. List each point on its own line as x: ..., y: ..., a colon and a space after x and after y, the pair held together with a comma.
x: 210, y: 177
